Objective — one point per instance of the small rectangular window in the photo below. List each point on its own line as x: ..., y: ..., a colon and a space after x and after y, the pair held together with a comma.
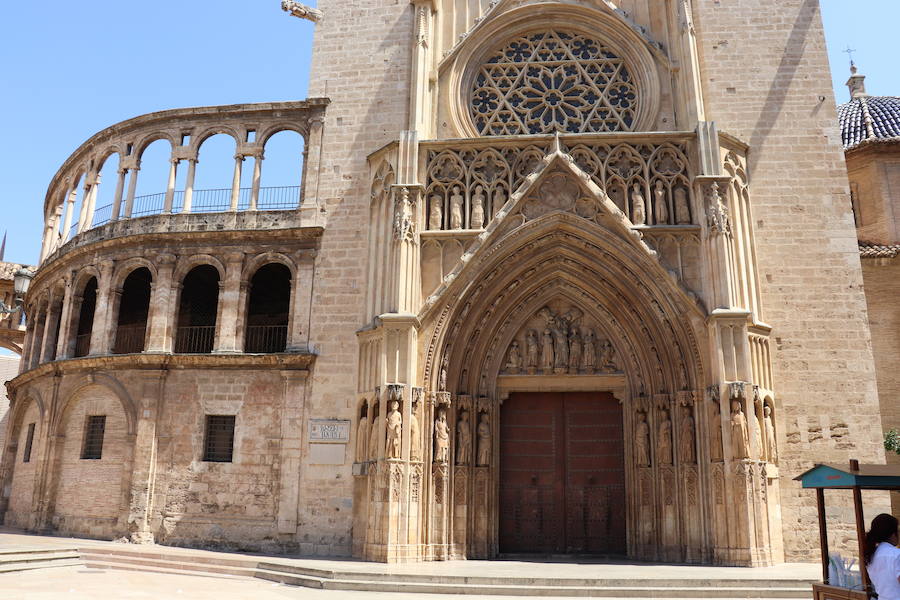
x: 93, y: 437
x: 251, y: 136
x: 29, y: 440
x: 219, y: 443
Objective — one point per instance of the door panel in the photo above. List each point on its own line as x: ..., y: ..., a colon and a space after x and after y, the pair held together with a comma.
x: 562, y: 474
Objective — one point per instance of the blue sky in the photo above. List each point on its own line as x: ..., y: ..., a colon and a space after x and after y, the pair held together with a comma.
x: 74, y: 69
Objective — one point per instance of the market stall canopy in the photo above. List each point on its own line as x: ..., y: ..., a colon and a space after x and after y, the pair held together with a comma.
x: 881, y: 477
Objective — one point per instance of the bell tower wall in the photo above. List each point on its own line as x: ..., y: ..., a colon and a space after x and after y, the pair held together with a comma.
x: 809, y: 269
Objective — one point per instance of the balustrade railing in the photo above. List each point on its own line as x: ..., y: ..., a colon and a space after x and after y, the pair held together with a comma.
x: 130, y: 339
x: 195, y: 339
x: 82, y: 345
x: 266, y: 338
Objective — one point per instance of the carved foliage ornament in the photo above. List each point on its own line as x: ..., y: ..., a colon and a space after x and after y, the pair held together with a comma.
x: 553, y: 81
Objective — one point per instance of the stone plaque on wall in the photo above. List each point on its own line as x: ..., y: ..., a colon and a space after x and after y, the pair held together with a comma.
x: 324, y: 431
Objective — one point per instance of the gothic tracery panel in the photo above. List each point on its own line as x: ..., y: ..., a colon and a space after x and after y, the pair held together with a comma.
x: 553, y: 81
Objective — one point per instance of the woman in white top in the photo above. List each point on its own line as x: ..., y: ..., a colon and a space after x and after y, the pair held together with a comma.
x: 883, y: 558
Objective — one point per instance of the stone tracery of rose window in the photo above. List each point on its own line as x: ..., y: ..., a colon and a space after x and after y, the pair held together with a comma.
x: 553, y: 81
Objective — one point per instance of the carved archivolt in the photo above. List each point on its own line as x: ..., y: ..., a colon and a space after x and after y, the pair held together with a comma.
x: 550, y: 81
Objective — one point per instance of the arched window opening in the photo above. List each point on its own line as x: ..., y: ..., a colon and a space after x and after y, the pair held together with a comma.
x: 196, y: 330
x: 214, y: 180
x: 134, y: 308
x: 152, y: 179
x: 107, y: 186
x: 269, y: 309
x: 283, y: 173
x: 86, y: 319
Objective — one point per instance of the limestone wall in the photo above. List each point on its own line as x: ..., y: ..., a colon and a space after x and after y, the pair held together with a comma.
x: 810, y: 275
x: 361, y: 61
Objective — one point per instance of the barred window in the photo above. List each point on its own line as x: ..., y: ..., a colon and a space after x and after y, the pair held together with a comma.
x: 552, y: 81
x: 93, y: 437
x: 219, y: 443
x: 29, y: 440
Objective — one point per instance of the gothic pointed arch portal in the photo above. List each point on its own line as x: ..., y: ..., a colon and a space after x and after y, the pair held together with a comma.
x: 560, y: 294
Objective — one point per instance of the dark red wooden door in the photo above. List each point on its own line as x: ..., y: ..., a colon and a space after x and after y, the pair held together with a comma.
x: 562, y: 479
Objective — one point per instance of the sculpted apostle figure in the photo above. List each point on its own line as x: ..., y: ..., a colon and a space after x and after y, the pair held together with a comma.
x: 463, y: 439
x: 514, y: 358
x: 484, y: 441
x: 682, y: 211
x: 477, y: 220
x: 740, y: 440
x: 435, y: 215
x: 362, y: 438
x: 607, y: 357
x: 442, y: 376
x: 638, y: 206
x: 574, y: 351
x: 415, y: 438
x: 547, y: 350
x: 758, y: 434
x: 642, y: 440
x: 659, y: 204
x: 715, y: 450
x: 589, y: 353
x: 561, y: 348
x: 531, y: 350
x: 441, y: 437
x: 499, y: 200
x: 771, y: 446
x: 686, y: 448
x: 394, y: 430
x: 456, y: 209
x: 665, y: 438
x: 375, y: 438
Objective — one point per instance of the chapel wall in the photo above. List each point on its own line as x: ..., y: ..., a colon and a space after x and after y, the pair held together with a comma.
x: 809, y: 270
x: 23, y: 484
x: 361, y: 61
x: 875, y: 184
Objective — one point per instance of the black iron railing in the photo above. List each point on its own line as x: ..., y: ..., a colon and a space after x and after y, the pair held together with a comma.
x: 195, y: 339
x: 82, y: 344
x: 266, y: 338
x: 130, y: 339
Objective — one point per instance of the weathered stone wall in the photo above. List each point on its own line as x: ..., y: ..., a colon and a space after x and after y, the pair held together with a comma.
x: 22, y: 492
x: 89, y: 496
x: 361, y: 61
x: 874, y: 173
x: 9, y: 367
x: 810, y: 274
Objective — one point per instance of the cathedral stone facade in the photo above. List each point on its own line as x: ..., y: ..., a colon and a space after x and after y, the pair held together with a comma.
x: 573, y: 276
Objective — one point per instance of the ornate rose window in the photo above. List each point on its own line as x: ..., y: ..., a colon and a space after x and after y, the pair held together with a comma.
x: 553, y: 81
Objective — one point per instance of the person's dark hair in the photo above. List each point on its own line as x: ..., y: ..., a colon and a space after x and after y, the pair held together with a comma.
x: 883, y: 527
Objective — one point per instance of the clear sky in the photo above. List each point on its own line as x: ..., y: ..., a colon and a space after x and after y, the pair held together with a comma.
x: 72, y: 69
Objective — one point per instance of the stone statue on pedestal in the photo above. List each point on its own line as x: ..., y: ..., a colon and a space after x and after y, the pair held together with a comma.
x: 394, y: 430
x: 484, y: 441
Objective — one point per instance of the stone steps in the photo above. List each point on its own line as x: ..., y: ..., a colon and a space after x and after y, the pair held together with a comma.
x: 171, y: 564
x: 14, y: 560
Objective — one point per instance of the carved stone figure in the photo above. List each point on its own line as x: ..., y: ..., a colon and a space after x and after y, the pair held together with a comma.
x: 740, y: 440
x: 547, y: 351
x: 499, y: 200
x: 477, y: 219
x: 301, y: 11
x: 442, y: 377
x: 659, y: 204
x: 771, y: 444
x: 374, y: 439
x: 415, y: 438
x: 456, y: 209
x: 441, y: 437
x: 532, y: 353
x: 638, y: 206
x: 607, y: 357
x: 561, y: 349
x: 664, y: 438
x: 686, y: 447
x: 394, y: 430
x: 435, y: 214
x: 463, y: 439
x: 642, y: 440
x: 589, y: 353
x: 682, y: 211
x: 758, y: 435
x: 362, y: 439
x: 514, y: 358
x: 484, y: 441
x: 574, y: 351
x: 715, y: 448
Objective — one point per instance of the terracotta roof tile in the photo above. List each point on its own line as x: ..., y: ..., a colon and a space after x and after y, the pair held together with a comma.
x: 870, y: 119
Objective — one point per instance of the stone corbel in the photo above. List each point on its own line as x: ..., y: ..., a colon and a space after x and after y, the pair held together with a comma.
x: 686, y: 398
x: 662, y: 401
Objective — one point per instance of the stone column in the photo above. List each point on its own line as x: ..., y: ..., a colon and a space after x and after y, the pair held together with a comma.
x: 117, y: 200
x: 312, y: 153
x: 257, y: 175
x: 48, y: 346
x: 236, y: 182
x: 92, y: 202
x: 62, y: 342
x: 189, y: 185
x: 142, y: 476
x: 170, y: 187
x: 293, y: 400
x: 70, y: 208
x: 132, y: 187
x: 82, y: 213
x: 162, y: 306
x: 230, y: 311
x: 301, y: 302
x: 37, y: 339
x: 100, y: 331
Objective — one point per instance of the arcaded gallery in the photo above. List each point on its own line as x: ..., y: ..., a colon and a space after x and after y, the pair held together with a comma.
x: 556, y: 277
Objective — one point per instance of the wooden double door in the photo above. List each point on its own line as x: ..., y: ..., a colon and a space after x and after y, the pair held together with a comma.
x: 562, y: 474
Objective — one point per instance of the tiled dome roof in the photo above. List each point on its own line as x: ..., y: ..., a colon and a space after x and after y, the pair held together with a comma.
x: 870, y: 119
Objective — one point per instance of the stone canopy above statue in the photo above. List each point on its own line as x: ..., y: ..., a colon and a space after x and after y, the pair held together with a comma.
x: 559, y: 340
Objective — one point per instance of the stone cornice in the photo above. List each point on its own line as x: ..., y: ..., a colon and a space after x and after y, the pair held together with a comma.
x: 165, y: 362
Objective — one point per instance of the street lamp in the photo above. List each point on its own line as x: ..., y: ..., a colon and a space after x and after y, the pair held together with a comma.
x: 21, y: 282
